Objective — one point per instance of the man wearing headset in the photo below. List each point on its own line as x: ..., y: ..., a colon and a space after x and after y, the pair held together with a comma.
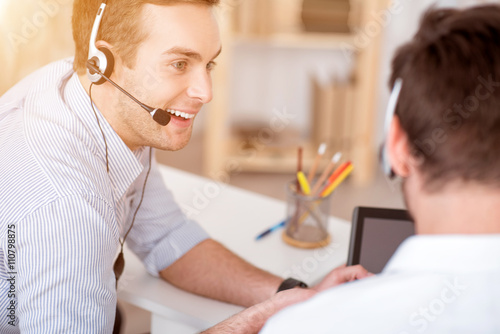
x: 78, y: 177
x: 444, y: 142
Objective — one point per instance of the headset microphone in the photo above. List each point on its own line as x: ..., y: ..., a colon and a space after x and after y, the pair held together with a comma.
x: 161, y: 116
x: 100, y: 65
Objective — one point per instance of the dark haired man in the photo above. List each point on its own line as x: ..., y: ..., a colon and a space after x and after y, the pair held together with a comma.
x: 78, y: 177
x: 444, y: 142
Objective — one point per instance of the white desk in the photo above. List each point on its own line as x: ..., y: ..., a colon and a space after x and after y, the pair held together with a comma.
x: 233, y: 217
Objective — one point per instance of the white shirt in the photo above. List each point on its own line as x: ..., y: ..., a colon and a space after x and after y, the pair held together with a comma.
x: 432, y: 284
x: 64, y: 213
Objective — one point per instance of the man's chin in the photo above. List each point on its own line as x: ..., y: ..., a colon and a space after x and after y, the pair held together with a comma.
x: 174, y: 140
x: 177, y: 148
x: 173, y: 145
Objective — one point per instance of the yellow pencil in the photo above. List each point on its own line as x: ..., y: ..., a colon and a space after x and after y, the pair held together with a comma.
x: 325, y: 193
x: 338, y: 181
x: 304, y: 185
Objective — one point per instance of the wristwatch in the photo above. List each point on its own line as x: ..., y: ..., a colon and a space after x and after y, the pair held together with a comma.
x: 291, y: 283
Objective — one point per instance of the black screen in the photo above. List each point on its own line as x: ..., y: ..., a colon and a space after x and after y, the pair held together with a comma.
x: 379, y: 240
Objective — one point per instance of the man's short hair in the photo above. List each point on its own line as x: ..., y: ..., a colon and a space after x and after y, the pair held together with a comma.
x: 120, y: 26
x: 449, y: 105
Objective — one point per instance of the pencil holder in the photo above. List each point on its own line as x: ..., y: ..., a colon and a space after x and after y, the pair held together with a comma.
x: 307, y: 219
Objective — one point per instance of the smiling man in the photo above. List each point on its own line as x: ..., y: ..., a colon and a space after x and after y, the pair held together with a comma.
x: 169, y: 67
x: 78, y: 176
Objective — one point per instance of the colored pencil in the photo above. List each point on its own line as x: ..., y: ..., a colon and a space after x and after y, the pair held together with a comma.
x: 321, y: 152
x: 336, y: 157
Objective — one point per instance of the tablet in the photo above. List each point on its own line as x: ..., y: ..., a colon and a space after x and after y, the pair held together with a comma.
x: 376, y: 234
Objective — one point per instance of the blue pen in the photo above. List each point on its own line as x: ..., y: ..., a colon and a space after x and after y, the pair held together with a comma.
x: 273, y: 228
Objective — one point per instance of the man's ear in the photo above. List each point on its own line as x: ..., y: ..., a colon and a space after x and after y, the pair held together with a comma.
x: 116, y: 61
x: 398, y: 148
x: 101, y: 43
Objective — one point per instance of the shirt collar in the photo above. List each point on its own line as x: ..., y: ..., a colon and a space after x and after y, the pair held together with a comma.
x: 453, y: 253
x: 124, y: 165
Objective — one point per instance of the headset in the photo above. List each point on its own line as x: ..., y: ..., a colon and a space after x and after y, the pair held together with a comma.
x: 100, y: 65
x: 389, y: 114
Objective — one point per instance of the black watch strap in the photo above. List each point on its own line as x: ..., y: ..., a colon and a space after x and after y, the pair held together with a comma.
x: 291, y: 283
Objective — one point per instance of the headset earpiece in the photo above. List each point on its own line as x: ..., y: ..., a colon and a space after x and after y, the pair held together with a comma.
x: 386, y: 163
x: 105, y: 61
x: 391, y: 108
x: 100, y: 65
x: 102, y: 58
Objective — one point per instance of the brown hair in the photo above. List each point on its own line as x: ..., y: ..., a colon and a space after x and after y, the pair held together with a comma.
x: 120, y: 26
x: 449, y: 105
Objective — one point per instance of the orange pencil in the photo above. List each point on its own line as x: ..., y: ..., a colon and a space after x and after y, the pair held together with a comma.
x: 336, y: 174
x: 337, y: 181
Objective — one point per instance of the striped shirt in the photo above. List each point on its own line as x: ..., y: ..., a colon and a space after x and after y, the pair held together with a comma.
x: 62, y: 213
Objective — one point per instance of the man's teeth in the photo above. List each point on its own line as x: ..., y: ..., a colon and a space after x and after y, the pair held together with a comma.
x: 180, y: 113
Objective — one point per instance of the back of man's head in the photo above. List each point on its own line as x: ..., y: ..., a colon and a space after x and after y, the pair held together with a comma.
x: 121, y: 26
x: 449, y: 105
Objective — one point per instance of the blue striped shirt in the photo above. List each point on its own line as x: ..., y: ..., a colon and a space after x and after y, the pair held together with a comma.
x: 62, y: 213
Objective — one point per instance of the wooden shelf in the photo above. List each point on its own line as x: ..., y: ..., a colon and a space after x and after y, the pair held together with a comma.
x: 278, y: 159
x: 221, y: 148
x: 300, y: 40
x: 270, y: 159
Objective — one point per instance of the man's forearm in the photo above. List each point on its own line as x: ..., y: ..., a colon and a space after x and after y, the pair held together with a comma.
x: 253, y: 318
x: 211, y: 270
x: 248, y: 321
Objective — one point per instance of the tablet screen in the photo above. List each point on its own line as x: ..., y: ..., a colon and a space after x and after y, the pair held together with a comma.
x: 376, y: 234
x: 380, y: 239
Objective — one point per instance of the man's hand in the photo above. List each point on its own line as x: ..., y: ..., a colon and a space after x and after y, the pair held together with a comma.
x: 252, y: 319
x: 292, y: 296
x: 341, y: 275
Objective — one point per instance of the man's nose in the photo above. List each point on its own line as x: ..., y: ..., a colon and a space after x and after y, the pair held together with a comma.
x: 201, y: 87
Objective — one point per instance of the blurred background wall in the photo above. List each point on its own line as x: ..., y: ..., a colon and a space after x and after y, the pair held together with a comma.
x: 33, y: 33
x: 36, y: 32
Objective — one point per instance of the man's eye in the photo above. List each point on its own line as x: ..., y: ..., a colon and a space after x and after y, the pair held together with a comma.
x: 179, y: 65
x: 211, y: 65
